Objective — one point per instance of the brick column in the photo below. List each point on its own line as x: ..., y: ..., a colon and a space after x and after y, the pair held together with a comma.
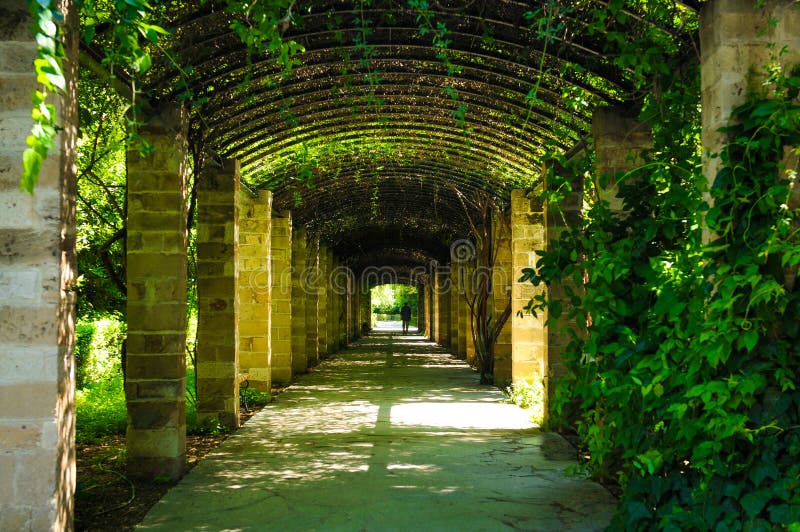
x: 557, y: 336
x: 323, y: 300
x: 37, y: 265
x: 309, y: 278
x: 421, y: 308
x: 332, y: 319
x: 218, y: 293
x: 156, y: 254
x: 355, y: 307
x: 528, y: 334
x: 255, y: 280
x: 618, y: 141
x: 455, y: 306
x: 469, y: 278
x: 299, y: 357
x: 442, y: 298
x: 502, y: 281
x: 365, y: 306
x: 430, y: 318
x: 281, y: 298
x: 734, y: 36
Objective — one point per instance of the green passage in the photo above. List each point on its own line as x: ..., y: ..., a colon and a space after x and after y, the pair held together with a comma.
x: 391, y: 434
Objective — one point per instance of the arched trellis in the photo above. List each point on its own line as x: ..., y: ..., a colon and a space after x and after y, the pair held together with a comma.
x: 378, y: 108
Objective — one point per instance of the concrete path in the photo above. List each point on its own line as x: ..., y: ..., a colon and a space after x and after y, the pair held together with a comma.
x: 391, y: 434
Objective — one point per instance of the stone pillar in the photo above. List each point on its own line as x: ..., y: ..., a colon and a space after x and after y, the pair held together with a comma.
x: 255, y: 280
x: 299, y: 357
x: 323, y: 300
x: 442, y: 296
x: 430, y: 317
x: 734, y: 39
x: 422, y: 308
x: 355, y: 308
x: 281, y: 298
x: 502, y: 281
x: 570, y: 215
x: 470, y: 283
x: 37, y: 271
x: 528, y: 334
x: 619, y: 140
x: 332, y: 319
x: 365, y: 306
x: 464, y: 326
x: 455, y: 306
x: 218, y: 293
x: 309, y: 278
x: 156, y: 269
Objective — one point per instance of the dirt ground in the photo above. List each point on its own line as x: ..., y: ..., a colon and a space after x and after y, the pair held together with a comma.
x: 106, y: 500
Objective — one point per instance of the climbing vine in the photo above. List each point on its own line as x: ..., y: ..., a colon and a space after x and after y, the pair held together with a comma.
x: 684, y: 355
x: 50, y: 77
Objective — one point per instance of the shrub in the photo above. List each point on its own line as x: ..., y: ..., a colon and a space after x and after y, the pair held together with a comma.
x: 98, y: 349
x: 100, y: 410
x: 528, y: 395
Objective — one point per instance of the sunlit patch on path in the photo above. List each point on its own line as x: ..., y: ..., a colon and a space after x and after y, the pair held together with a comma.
x: 391, y: 434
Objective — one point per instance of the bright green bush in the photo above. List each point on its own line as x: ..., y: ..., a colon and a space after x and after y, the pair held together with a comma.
x: 100, y: 410
x: 98, y: 349
x: 528, y: 395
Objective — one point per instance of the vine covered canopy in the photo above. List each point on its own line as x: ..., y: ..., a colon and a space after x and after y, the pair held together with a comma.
x: 372, y: 120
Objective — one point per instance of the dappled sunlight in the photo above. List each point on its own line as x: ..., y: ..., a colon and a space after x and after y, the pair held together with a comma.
x: 460, y: 415
x: 386, y: 434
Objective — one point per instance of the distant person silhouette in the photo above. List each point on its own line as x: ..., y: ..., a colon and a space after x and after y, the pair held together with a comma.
x: 405, y: 315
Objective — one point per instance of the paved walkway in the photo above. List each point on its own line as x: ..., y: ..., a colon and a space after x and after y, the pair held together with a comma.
x: 391, y: 434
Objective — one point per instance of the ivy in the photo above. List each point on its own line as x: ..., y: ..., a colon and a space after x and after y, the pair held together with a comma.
x: 684, y: 354
x: 50, y: 77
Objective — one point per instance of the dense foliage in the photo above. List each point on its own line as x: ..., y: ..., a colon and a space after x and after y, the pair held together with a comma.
x: 390, y: 298
x: 683, y: 377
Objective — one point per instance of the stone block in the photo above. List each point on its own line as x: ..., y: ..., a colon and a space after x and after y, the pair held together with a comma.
x: 147, y: 264
x: 156, y: 415
x: 162, y: 317
x: 156, y: 343
x: 141, y: 465
x: 35, y: 476
x: 19, y: 434
x: 156, y: 389
x: 144, y: 201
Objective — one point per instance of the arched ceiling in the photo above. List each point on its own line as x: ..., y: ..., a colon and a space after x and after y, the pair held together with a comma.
x: 364, y: 141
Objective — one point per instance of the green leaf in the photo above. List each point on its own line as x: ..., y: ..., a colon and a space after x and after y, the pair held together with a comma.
x: 754, y: 502
x: 31, y: 166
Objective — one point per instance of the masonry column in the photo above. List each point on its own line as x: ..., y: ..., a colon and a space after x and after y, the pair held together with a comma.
x: 570, y: 215
x: 619, y: 140
x: 502, y: 281
x: 310, y: 275
x: 528, y: 334
x: 470, y: 283
x: 442, y: 297
x: 734, y: 40
x: 218, y: 293
x: 299, y: 357
x: 365, y: 303
x: 323, y: 300
x: 156, y: 270
x: 281, y: 298
x: 333, y: 317
x: 37, y: 271
x: 455, y: 307
x: 255, y: 280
